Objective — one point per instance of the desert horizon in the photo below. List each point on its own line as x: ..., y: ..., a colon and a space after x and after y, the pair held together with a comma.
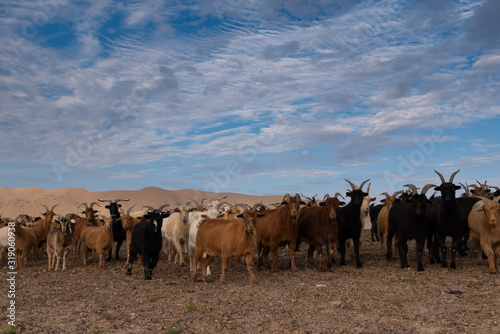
x: 29, y: 200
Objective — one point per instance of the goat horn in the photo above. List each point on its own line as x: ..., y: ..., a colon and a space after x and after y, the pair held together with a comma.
x: 121, y: 200
x: 398, y: 192
x: 130, y: 209
x: 386, y: 194
x: 196, y: 202
x: 427, y: 187
x: 368, y: 189
x: 92, y: 204
x: 463, y: 186
x: 473, y: 186
x: 243, y: 205
x: 84, y: 203
x: 258, y: 205
x: 222, y: 203
x: 46, y: 208
x: 105, y: 200
x: 161, y: 207
x: 413, y: 188
x: 494, y: 187
x: 362, y: 184
x: 52, y: 209
x: 353, y: 186
x: 339, y: 194
x: 440, y: 176
x: 326, y: 196
x: 287, y: 196
x: 149, y: 207
x: 453, y: 176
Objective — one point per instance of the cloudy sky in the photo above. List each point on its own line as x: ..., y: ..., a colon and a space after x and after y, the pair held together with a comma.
x: 256, y: 97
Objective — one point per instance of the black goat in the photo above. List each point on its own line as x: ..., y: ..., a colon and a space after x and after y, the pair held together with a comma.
x: 147, y: 241
x: 446, y: 218
x: 119, y: 233
x: 374, y: 211
x: 407, y: 221
x: 349, y: 222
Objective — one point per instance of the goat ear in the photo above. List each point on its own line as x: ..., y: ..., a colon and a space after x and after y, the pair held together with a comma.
x: 482, y: 209
x: 119, y: 205
x: 83, y: 211
x: 107, y: 206
x: 348, y: 194
x: 283, y: 203
x: 341, y: 203
x: 437, y: 189
x: 260, y: 215
x: 240, y: 215
x: 365, y: 194
x: 302, y: 203
x: 322, y: 203
x: 458, y: 187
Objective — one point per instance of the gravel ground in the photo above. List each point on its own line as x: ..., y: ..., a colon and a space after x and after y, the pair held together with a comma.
x: 378, y: 298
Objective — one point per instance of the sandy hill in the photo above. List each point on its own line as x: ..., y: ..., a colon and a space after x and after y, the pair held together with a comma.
x: 30, y: 200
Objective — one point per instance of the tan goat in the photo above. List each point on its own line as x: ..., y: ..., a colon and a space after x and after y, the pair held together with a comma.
x: 484, y: 224
x: 99, y: 239
x: 383, y: 220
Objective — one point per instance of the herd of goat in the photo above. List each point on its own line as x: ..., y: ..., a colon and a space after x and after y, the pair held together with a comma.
x: 218, y: 229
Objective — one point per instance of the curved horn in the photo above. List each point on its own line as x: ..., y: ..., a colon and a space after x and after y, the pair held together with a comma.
x: 92, y: 204
x: 21, y: 216
x: 327, y: 196
x: 244, y: 206
x: 397, y: 193
x: 52, y: 209
x: 339, y: 194
x: 463, y: 186
x: 105, y: 200
x: 427, y: 187
x: 149, y: 207
x: 84, y: 203
x: 368, y: 189
x: 308, y: 198
x: 362, y: 184
x: 256, y: 206
x: 130, y: 209
x: 353, y: 186
x: 494, y: 187
x: 287, y: 196
x: 453, y: 176
x: 386, y: 194
x: 121, y: 200
x: 413, y: 188
x: 161, y: 207
x: 217, y: 207
x: 196, y: 202
x: 440, y: 176
x: 46, y: 208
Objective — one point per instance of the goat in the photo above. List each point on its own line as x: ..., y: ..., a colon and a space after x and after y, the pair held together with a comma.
x: 407, y: 221
x: 147, y: 241
x: 446, y: 219
x: 383, y: 218
x: 59, y: 241
x: 128, y: 223
x: 25, y: 242
x: 277, y: 228
x: 484, y: 227
x: 175, y: 231
x: 226, y: 239
x: 318, y: 227
x: 42, y: 230
x: 119, y: 234
x: 348, y: 219
x: 99, y: 239
x: 374, y: 213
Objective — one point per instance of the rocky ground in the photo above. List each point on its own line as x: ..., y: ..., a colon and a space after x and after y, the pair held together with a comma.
x: 379, y: 298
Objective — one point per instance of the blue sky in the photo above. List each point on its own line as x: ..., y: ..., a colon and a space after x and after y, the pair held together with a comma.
x: 256, y: 97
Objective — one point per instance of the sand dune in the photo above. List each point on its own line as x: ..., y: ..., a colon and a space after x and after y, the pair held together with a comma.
x: 30, y: 200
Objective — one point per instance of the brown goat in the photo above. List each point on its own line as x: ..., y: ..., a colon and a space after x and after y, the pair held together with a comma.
x: 128, y: 223
x: 383, y: 219
x: 99, y: 239
x: 25, y: 242
x: 318, y: 227
x: 484, y: 224
x: 42, y: 230
x: 226, y: 239
x: 277, y: 228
